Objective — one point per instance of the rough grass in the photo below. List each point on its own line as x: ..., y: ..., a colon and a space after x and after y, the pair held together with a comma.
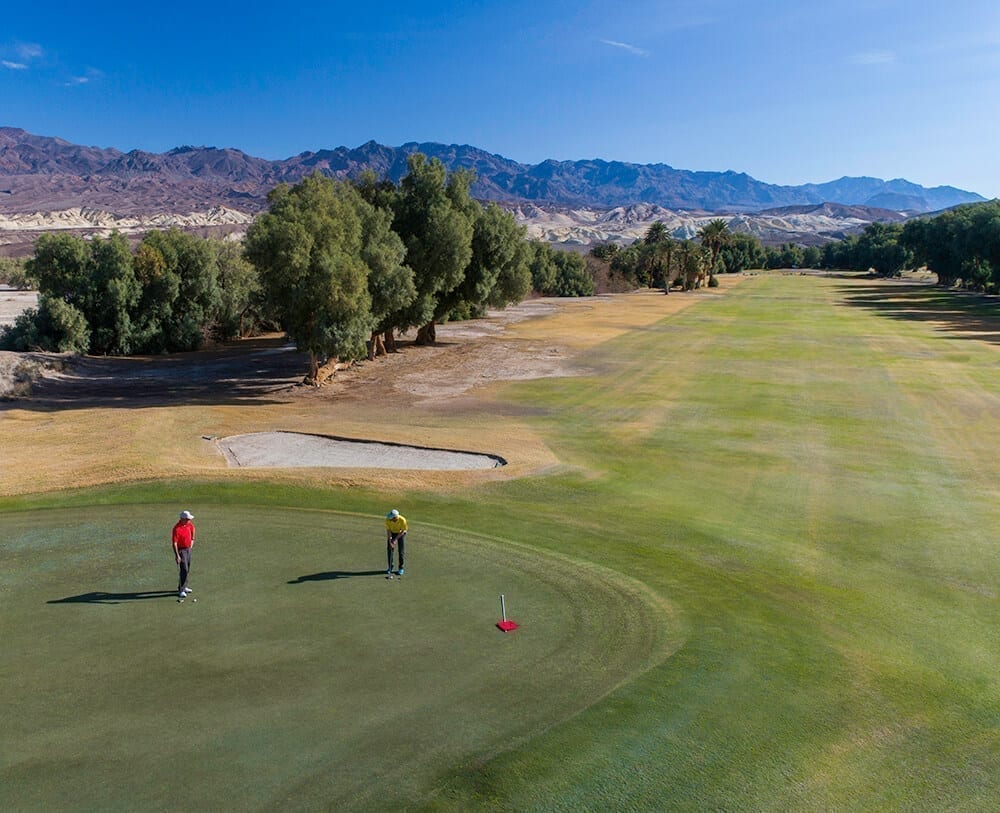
x: 804, y: 467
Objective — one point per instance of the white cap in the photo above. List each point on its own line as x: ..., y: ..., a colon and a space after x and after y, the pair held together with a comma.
x: 392, y: 514
x: 187, y: 515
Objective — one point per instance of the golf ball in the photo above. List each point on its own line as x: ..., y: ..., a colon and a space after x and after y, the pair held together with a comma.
x: 194, y: 599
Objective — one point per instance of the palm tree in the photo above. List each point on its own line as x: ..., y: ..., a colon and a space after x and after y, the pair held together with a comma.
x: 692, y: 264
x: 658, y: 250
x: 714, y: 235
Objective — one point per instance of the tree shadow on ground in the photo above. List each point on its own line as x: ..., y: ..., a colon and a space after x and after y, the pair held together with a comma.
x: 330, y: 575
x: 961, y: 314
x: 247, y: 371
x: 98, y: 597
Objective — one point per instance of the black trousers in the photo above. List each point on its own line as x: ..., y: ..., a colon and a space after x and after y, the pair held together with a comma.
x: 184, y: 566
x: 401, y: 544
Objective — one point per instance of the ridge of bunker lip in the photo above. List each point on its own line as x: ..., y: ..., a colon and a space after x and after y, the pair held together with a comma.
x: 288, y: 449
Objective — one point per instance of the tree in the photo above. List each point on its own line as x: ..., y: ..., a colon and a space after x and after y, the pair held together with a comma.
x: 390, y: 280
x: 605, y: 251
x: 180, y: 290
x: 559, y: 273
x: 572, y: 278
x: 96, y: 280
x: 159, y: 289
x: 787, y: 255
x: 308, y: 251
x: 59, y: 266
x: 543, y: 268
x: 743, y: 251
x: 691, y: 260
x: 240, y: 308
x: 54, y: 326
x: 497, y: 274
x: 111, y: 296
x: 714, y: 235
x: 14, y: 274
x: 811, y: 257
x: 241, y: 302
x: 656, y: 256
x: 879, y: 248
x: 434, y: 221
x: 840, y: 253
x: 628, y: 264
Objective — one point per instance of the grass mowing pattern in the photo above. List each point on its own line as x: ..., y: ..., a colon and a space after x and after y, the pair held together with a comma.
x: 816, y: 486
x: 301, y: 675
x: 806, y: 468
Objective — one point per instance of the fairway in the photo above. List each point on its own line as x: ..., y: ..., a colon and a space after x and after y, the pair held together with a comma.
x: 761, y: 574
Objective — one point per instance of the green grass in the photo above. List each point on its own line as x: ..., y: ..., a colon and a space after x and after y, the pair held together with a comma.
x: 299, y: 669
x: 766, y: 579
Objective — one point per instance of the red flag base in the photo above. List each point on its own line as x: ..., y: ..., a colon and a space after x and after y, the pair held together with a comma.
x: 507, y: 626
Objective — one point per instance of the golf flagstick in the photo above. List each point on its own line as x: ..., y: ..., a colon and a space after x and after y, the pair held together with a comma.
x: 504, y: 624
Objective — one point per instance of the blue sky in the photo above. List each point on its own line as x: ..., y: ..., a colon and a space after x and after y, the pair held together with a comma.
x: 789, y: 92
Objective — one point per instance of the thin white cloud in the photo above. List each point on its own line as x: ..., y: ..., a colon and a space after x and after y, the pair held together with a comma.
x: 632, y: 49
x: 91, y: 75
x: 872, y: 58
x: 28, y: 51
x: 14, y: 66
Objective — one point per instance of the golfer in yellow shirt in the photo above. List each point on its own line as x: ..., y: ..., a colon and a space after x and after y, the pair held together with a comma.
x: 395, y: 534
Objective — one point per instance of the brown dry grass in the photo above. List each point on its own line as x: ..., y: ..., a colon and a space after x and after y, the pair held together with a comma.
x: 449, y: 396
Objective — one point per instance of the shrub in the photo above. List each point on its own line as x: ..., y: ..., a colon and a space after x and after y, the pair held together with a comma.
x: 54, y: 327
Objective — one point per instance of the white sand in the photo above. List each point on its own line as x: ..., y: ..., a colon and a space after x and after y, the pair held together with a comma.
x: 292, y: 449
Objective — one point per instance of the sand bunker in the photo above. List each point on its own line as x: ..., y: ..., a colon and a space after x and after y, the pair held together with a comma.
x: 294, y: 449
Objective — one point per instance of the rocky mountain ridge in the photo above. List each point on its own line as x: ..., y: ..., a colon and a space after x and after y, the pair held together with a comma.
x: 49, y: 184
x: 42, y: 173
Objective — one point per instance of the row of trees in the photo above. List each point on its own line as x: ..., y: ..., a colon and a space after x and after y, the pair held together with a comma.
x: 97, y: 296
x: 961, y: 246
x: 341, y: 267
x: 345, y: 266
x: 879, y: 248
x: 661, y: 261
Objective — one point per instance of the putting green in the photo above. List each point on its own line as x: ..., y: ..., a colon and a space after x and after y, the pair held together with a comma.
x: 301, y: 677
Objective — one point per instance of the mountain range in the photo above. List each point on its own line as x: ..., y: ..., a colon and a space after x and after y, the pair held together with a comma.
x: 46, y: 174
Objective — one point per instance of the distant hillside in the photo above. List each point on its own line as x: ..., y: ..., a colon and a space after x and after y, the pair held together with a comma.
x: 811, y: 225
x: 43, y: 174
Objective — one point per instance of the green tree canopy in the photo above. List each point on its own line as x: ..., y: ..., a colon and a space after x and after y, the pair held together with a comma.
x: 54, y: 326
x: 743, y: 251
x: 112, y: 294
x: 497, y: 273
x: 559, y: 273
x: 434, y: 219
x: 390, y: 280
x: 308, y: 251
x: 180, y: 296
x: 961, y: 246
x: 240, y: 310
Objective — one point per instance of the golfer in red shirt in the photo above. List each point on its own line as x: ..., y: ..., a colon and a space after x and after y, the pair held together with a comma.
x: 183, y: 540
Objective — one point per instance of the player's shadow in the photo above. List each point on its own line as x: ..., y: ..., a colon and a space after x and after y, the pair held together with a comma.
x: 330, y: 575
x: 98, y: 597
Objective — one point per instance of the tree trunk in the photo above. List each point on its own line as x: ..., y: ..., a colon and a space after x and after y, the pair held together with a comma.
x: 426, y: 334
x: 390, y: 341
x: 325, y: 371
x: 376, y: 347
x: 313, y: 369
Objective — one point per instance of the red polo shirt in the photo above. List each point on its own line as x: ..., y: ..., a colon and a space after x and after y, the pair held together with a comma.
x: 184, y: 534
